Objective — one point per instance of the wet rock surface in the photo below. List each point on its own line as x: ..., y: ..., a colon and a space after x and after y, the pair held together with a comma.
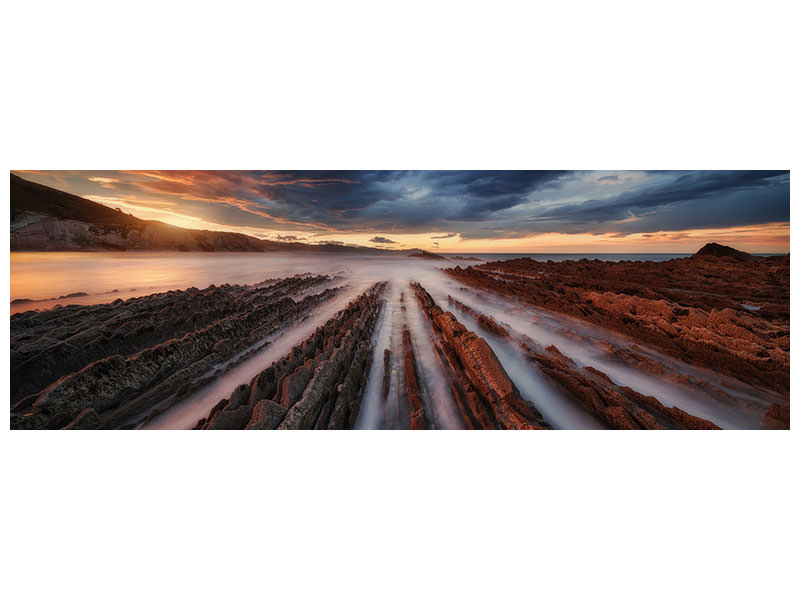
x: 416, y: 405
x: 485, y: 395
x: 108, y: 365
x: 515, y: 344
x: 721, y: 309
x: 776, y: 417
x: 319, y: 384
x: 619, y: 407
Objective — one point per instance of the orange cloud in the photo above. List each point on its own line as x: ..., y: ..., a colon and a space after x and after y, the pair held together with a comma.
x: 220, y: 186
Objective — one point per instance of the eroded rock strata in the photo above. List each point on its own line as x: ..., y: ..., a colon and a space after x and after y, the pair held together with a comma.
x: 319, y: 384
x: 618, y: 407
x: 107, y: 366
x: 707, y: 335
x: 416, y: 404
x: 721, y: 309
x: 485, y: 395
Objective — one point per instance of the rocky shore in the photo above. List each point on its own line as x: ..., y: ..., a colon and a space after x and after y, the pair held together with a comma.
x: 694, y: 343
x: 721, y: 309
x: 485, y: 395
x: 618, y: 407
x: 109, y: 365
x: 319, y: 384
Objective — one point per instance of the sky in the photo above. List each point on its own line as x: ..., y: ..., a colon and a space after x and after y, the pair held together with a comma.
x: 460, y: 211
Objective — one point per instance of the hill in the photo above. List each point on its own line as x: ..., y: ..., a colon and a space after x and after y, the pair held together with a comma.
x: 427, y: 255
x: 44, y: 218
x: 719, y: 251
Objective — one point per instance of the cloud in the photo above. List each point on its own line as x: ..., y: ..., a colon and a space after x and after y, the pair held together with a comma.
x: 682, y: 199
x: 671, y: 200
x: 382, y: 240
x: 410, y: 201
x: 288, y: 238
x: 475, y: 204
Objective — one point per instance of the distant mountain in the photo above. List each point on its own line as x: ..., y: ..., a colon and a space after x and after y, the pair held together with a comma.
x: 427, y: 255
x: 43, y: 218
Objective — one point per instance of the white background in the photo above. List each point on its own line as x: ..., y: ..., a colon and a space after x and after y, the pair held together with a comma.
x: 234, y: 85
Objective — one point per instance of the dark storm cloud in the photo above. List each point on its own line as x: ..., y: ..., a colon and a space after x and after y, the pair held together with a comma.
x: 691, y: 186
x: 410, y: 199
x: 476, y: 204
x: 382, y: 240
x: 693, y: 199
x: 519, y: 203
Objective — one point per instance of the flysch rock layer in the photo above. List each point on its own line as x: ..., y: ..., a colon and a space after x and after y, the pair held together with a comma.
x: 619, y: 407
x: 721, y: 309
x: 319, y: 384
x: 416, y: 403
x: 485, y: 395
x: 108, y: 366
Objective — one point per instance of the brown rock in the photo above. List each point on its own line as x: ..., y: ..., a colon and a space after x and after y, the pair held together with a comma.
x: 776, y: 417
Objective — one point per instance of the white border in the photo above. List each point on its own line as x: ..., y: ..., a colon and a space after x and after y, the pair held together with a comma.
x: 413, y: 85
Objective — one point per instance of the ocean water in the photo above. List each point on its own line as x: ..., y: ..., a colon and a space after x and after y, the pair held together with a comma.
x: 105, y: 276
x: 46, y: 278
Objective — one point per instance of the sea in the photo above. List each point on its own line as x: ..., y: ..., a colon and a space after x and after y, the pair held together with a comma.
x: 41, y: 280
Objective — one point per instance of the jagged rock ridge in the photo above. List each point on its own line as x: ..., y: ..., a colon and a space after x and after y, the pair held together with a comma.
x: 722, y: 312
x: 108, y: 366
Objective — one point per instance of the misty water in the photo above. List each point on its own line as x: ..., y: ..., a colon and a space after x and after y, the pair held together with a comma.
x: 104, y: 277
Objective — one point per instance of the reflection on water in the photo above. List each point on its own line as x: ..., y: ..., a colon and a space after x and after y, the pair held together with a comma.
x: 106, y: 276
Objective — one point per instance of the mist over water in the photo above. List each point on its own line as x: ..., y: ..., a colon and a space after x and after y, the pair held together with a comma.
x: 49, y: 275
x: 534, y: 386
x: 374, y: 407
x: 584, y: 343
x: 106, y: 276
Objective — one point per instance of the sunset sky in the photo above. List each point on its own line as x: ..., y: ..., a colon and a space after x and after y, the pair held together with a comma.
x: 460, y: 211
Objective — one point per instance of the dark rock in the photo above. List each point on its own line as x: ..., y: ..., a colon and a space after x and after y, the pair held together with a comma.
x: 776, y: 417
x: 718, y: 250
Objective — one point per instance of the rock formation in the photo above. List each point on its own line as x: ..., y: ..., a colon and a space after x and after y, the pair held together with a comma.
x: 108, y: 365
x: 720, y: 309
x: 319, y: 384
x: 619, y: 407
x: 485, y: 395
x: 714, y: 327
x: 416, y: 406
